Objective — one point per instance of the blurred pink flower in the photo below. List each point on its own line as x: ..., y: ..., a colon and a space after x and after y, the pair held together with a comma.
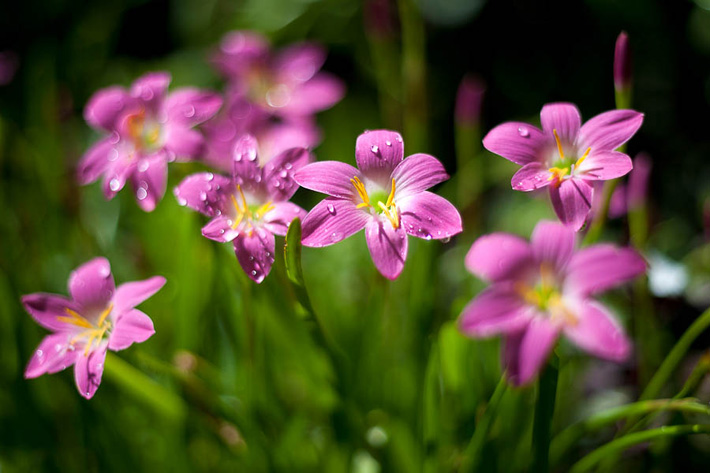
x: 622, y: 63
x: 148, y: 128
x: 249, y: 208
x: 98, y: 317
x: 544, y: 288
x: 386, y: 196
x: 469, y: 99
x: 566, y: 156
x: 8, y: 66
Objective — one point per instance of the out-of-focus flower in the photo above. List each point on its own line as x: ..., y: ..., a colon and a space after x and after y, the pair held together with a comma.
x: 386, y: 196
x: 469, y: 100
x: 249, y: 208
x: 287, y: 84
x: 622, y: 63
x: 565, y: 155
x: 148, y: 128
x: 8, y: 66
x: 627, y: 196
x: 544, y: 288
x: 98, y: 317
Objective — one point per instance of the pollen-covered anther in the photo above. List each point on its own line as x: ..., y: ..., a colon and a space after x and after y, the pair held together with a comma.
x: 362, y: 192
x: 389, y: 209
x: 95, y: 333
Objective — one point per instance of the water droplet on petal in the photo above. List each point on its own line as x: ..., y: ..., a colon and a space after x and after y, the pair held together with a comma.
x: 388, y: 143
x: 288, y: 165
x: 141, y: 193
x: 251, y: 258
x: 113, y: 154
x: 190, y: 112
x: 522, y: 131
x: 331, y: 209
x: 251, y: 154
x: 114, y: 184
x: 399, y: 139
x: 143, y: 165
x: 283, y: 173
x: 238, y: 157
x: 203, y: 196
x: 182, y: 202
x: 114, y: 138
x: 374, y: 149
x: 446, y: 240
x: 40, y: 353
x: 276, y: 183
x: 253, y: 272
x: 209, y: 176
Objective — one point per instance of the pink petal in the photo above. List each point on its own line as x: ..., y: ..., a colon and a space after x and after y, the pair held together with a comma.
x: 149, y: 181
x: 116, y: 175
x: 319, y: 93
x: 601, y: 267
x: 530, y: 177
x: 331, y: 221
x: 278, y: 137
x: 329, y: 177
x: 535, y: 347
x: 189, y: 106
x: 46, y: 308
x: 130, y: 294
x: 417, y: 173
x: 239, y: 52
x: 609, y: 130
x: 279, y: 218
x: 132, y: 326
x: 91, y: 284
x: 151, y: 88
x: 105, y: 107
x: 572, y: 201
x: 388, y: 247
x: 499, y: 257
x: 604, y: 165
x: 204, y: 192
x: 220, y: 229
x: 426, y: 215
x: 52, y: 355
x: 278, y: 173
x: 299, y: 62
x: 498, y: 309
x: 255, y: 253
x: 89, y: 369
x: 562, y: 117
x: 375, y: 157
x: 517, y: 142
x: 553, y: 243
x: 95, y: 161
x: 245, y: 170
x: 511, y: 356
x: 185, y: 143
x: 597, y: 332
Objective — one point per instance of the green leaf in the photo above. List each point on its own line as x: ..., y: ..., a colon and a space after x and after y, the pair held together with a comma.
x: 292, y: 253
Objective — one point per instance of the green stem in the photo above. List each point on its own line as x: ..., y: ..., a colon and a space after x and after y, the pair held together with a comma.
x: 472, y: 454
x: 675, y: 356
x: 619, y: 445
x: 544, y: 411
x: 600, y: 217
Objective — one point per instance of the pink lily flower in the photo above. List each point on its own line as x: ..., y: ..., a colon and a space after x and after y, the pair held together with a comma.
x: 148, y: 128
x: 98, y: 317
x: 386, y: 196
x: 543, y: 289
x: 566, y: 156
x: 287, y: 84
x: 249, y: 208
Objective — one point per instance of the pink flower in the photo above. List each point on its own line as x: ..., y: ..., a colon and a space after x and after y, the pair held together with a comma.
x: 98, y: 317
x: 543, y: 289
x: 565, y: 156
x: 147, y: 129
x: 249, y: 208
x: 287, y: 84
x: 386, y: 196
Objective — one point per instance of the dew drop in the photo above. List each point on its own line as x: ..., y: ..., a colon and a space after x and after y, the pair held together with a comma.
x: 374, y: 149
x: 253, y: 272
x: 276, y: 183
x: 283, y: 173
x: 40, y: 353
x: 331, y: 209
x: 257, y: 178
x: 114, y: 138
x: 251, y: 258
x: 288, y: 165
x: 388, y: 143
x: 182, y: 202
x: 238, y: 157
x: 399, y: 139
x: 203, y: 196
x: 190, y: 112
x: 446, y: 240
x: 209, y: 177
x: 114, y: 184
x: 141, y: 193
x: 143, y: 165
x: 251, y: 154
x: 221, y: 231
x: 522, y: 131
x: 113, y: 154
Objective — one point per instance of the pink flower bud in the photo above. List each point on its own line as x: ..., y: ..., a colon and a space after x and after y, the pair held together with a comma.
x: 469, y: 100
x: 622, y: 62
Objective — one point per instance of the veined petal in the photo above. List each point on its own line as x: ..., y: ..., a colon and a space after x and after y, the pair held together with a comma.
x: 47, y: 309
x: 552, y: 242
x: 331, y: 221
x: 189, y: 106
x: 130, y: 294
x: 186, y: 143
x: 204, y: 192
x: 255, y: 253
x: 572, y: 201
x: 150, y: 88
x: 89, y: 369
x: 536, y: 344
x: 52, y: 355
x: 149, y: 180
x: 299, y: 62
x: 132, y: 326
x: 320, y: 93
x: 95, y: 161
x: 426, y: 215
x: 530, y: 177
x: 280, y: 216
x: 278, y: 173
x: 388, y: 247
x: 601, y: 267
x: 91, y: 285
x: 329, y: 177
x: 604, y: 165
x: 609, y: 130
x: 377, y: 153
x: 517, y: 142
x: 245, y: 170
x: 597, y: 332
x: 562, y: 117
x: 105, y: 107
x: 417, y: 173
x: 220, y: 229
x: 499, y: 257
x: 498, y: 309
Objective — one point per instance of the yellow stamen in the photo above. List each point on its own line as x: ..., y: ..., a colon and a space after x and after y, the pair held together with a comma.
x: 584, y: 156
x: 360, y: 188
x: 390, y: 199
x: 559, y: 145
x: 135, y: 124
x: 264, y: 209
x: 74, y: 319
x: 104, y: 314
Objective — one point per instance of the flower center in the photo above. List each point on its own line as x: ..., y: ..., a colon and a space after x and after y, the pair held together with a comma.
x: 385, y: 202
x: 145, y: 133
x: 248, y: 214
x: 93, y: 332
x: 546, y: 297
x: 564, y: 167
